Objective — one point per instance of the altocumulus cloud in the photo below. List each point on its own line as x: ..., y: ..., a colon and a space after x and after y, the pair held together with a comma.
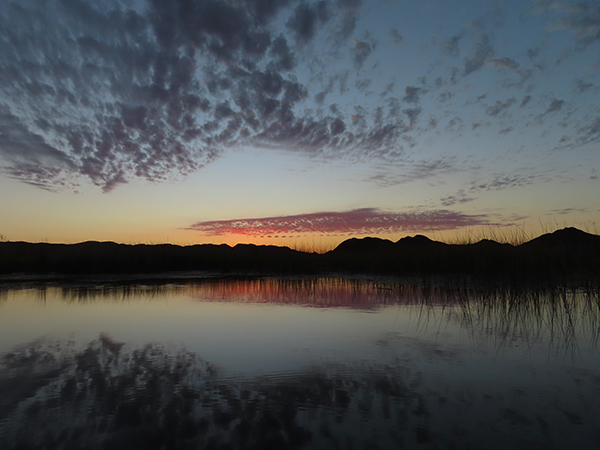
x: 357, y: 222
x: 113, y: 90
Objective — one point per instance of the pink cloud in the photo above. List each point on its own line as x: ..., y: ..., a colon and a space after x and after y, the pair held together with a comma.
x: 357, y: 221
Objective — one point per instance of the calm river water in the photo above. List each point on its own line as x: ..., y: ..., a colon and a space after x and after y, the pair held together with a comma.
x: 289, y: 364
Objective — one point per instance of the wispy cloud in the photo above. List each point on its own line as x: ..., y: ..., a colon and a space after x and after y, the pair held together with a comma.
x: 395, y: 36
x: 459, y: 197
x: 582, y: 19
x: 365, y: 221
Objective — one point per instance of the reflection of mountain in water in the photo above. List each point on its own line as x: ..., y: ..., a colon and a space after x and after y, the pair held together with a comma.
x: 109, y: 396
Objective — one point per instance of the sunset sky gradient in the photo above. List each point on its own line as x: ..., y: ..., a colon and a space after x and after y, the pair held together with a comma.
x: 286, y: 122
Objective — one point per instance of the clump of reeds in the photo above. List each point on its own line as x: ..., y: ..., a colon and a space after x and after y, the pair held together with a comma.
x: 513, y: 234
x: 312, y: 247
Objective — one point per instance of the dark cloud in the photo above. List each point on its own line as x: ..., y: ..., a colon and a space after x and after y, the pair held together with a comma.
x: 532, y: 53
x: 525, y: 100
x: 285, y: 59
x: 583, y: 20
x: 31, y: 158
x: 483, y: 51
x: 501, y: 182
x: 499, y: 107
x: 395, y: 36
x: 412, y: 114
x: 418, y: 170
x: 445, y: 96
x: 543, y: 6
x: 360, y: 52
x: 565, y: 211
x: 363, y: 221
x: 455, y: 125
x: 339, y: 79
x: 305, y: 19
x: 106, y: 92
x: 346, y: 24
x: 582, y: 86
x: 458, y: 198
x: 412, y: 93
x: 504, y: 63
x: 450, y: 46
x: 555, y: 105
x: 113, y: 93
x: 388, y: 89
x: 590, y: 132
x: 114, y: 90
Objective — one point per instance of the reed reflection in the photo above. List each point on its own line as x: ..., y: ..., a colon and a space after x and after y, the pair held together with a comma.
x: 562, y: 317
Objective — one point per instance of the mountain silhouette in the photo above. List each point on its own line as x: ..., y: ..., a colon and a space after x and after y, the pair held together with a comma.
x: 365, y: 245
x: 567, y: 237
x: 564, y: 252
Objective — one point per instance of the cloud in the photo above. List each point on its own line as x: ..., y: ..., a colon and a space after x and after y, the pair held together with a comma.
x: 450, y: 46
x: 360, y: 52
x: 590, y: 132
x: 412, y: 114
x: 362, y: 83
x: 504, y: 63
x: 582, y: 86
x: 457, y: 198
x: 525, y: 100
x: 445, y: 96
x: 363, y: 221
x: 500, y: 182
x: 583, y: 20
x: 412, y: 93
x: 395, y: 36
x: 285, y: 59
x: 305, y: 17
x: 499, y: 107
x: 112, y: 91
x: 555, y: 105
x: 32, y: 160
x: 542, y: 6
x: 483, y: 51
x: 394, y: 174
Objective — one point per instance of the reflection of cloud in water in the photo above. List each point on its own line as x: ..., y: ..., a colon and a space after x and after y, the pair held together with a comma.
x: 108, y: 395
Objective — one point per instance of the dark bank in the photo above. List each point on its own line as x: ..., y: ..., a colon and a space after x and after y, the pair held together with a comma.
x: 565, y: 253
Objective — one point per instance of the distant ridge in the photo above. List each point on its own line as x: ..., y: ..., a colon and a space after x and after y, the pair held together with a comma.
x: 368, y: 244
x: 565, y: 252
x: 567, y: 237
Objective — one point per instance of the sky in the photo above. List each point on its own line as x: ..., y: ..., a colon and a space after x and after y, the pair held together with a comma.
x: 297, y: 123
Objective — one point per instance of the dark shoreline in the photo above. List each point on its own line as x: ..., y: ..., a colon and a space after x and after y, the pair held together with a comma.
x: 565, y: 255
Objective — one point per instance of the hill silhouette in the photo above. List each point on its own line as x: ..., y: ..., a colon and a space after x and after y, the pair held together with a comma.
x: 564, y: 252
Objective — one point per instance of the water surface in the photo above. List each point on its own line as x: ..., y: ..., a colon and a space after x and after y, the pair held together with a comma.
x: 308, y: 363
